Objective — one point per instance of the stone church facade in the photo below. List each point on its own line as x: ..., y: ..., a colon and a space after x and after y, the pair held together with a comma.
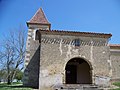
x: 56, y: 59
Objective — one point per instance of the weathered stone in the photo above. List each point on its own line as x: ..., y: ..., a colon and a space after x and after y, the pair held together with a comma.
x: 51, y: 57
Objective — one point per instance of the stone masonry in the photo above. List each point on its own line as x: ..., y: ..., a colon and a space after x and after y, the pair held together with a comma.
x: 51, y: 54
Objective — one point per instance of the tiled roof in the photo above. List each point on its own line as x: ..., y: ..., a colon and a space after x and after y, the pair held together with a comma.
x: 39, y: 18
x: 73, y: 33
x: 114, y: 46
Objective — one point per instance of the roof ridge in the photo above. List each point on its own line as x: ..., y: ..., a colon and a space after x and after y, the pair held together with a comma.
x: 81, y: 32
x: 77, y: 33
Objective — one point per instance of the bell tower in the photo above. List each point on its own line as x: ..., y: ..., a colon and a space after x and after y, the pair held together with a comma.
x: 32, y: 56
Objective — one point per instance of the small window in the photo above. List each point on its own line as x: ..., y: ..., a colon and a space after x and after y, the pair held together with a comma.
x: 77, y: 42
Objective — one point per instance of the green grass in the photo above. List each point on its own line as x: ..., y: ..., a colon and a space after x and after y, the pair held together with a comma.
x: 14, y: 86
x: 116, y: 89
x: 117, y: 84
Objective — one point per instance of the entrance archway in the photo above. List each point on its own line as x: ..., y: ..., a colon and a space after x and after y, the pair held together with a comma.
x: 78, y: 71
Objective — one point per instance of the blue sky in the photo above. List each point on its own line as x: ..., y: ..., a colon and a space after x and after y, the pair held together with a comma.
x: 74, y: 15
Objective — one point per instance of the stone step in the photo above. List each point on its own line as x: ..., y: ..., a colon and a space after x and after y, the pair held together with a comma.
x: 77, y: 87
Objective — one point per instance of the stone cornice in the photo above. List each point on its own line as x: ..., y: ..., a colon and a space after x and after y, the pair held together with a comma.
x: 72, y: 42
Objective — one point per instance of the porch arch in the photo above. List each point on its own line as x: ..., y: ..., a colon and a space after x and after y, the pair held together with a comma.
x: 78, y: 71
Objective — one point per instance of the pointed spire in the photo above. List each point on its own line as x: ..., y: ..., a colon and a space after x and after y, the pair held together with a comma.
x: 39, y: 18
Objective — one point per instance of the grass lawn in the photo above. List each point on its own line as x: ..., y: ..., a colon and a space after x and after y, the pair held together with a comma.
x: 117, y: 84
x: 14, y: 86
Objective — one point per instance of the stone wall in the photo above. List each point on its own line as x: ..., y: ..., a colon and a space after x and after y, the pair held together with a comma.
x: 32, y: 61
x: 47, y: 57
x: 32, y: 56
x: 57, y: 50
x: 31, y: 72
x: 115, y: 61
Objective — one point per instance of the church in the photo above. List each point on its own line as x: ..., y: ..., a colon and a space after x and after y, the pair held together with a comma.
x: 68, y: 60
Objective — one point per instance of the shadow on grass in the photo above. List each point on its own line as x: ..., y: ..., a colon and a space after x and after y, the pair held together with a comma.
x: 21, y: 86
x: 14, y: 86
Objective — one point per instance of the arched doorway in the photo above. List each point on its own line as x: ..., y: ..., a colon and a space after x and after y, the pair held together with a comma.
x: 78, y: 71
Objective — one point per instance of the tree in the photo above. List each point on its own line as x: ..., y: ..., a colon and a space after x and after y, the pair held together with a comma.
x: 19, y: 75
x: 2, y: 75
x: 12, y: 53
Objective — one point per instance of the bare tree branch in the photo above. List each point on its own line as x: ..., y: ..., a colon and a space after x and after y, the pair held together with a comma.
x: 13, y: 52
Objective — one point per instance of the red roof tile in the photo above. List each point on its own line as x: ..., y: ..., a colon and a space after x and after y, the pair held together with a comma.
x: 73, y: 33
x: 39, y: 18
x: 114, y: 46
